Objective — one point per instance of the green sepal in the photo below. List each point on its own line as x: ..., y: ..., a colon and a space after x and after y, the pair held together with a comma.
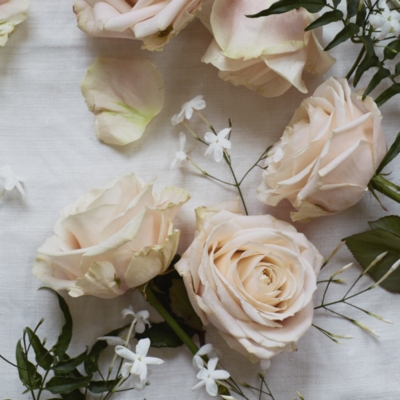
x: 65, y: 385
x: 366, y: 246
x: 42, y: 355
x: 325, y: 19
x: 64, y: 339
x: 91, y: 361
x: 381, y: 74
x: 283, y: 6
x: 388, y: 94
x: 346, y: 33
x: 66, y: 366
x: 392, y: 153
x: 26, y: 370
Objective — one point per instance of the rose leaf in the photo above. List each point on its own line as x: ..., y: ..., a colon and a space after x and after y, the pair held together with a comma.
x: 161, y: 335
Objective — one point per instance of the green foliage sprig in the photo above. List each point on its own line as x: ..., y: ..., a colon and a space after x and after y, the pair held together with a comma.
x: 357, y: 28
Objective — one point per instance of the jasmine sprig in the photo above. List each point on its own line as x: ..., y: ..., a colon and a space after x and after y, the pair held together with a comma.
x: 218, y: 144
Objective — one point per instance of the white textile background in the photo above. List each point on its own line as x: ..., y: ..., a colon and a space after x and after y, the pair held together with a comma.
x: 47, y: 136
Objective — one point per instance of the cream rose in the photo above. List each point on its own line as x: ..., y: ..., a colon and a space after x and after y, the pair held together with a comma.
x: 112, y: 239
x: 12, y: 13
x: 327, y: 154
x: 155, y: 22
x: 267, y: 55
x: 253, y: 278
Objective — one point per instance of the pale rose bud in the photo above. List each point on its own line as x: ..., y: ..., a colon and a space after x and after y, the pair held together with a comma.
x: 111, y: 239
x: 155, y: 22
x: 253, y: 278
x: 267, y: 55
x: 12, y: 13
x: 327, y: 155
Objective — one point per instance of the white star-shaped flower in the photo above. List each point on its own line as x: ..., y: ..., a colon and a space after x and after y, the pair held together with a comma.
x: 181, y: 155
x: 140, y: 319
x: 187, y: 110
x: 11, y: 180
x: 387, y: 21
x: 209, y: 375
x: 138, y: 365
x: 206, y: 350
x: 217, y: 143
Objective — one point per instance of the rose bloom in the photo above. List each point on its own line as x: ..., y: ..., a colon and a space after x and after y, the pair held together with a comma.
x: 253, y: 278
x: 268, y: 54
x: 111, y: 239
x: 327, y: 155
x: 12, y: 13
x: 155, y: 22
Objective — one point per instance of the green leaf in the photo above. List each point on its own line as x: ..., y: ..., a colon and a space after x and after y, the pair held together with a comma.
x: 92, y: 358
x: 346, y: 33
x: 98, y: 387
x: 283, y: 6
x: 388, y: 94
x: 397, y: 69
x: 181, y: 306
x: 327, y: 18
x: 366, y: 246
x: 74, y: 395
x: 392, y: 49
x: 390, y: 223
x: 42, y: 355
x: 65, y: 385
x: 352, y: 8
x: 65, y: 336
x: 26, y: 370
x: 368, y: 62
x: 381, y: 74
x: 361, y: 15
x: 63, y: 367
x: 336, y: 2
x: 390, y: 155
x: 161, y: 335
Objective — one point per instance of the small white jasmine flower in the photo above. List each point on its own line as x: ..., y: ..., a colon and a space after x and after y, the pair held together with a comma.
x: 138, y: 365
x: 140, y: 319
x: 217, y: 143
x: 387, y: 21
x: 265, y: 364
x: 112, y: 340
x: 11, y: 180
x: 181, y: 155
x: 187, y: 110
x: 206, y: 350
x: 209, y: 375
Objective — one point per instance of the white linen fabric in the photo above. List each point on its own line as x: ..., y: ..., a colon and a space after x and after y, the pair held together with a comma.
x: 47, y: 137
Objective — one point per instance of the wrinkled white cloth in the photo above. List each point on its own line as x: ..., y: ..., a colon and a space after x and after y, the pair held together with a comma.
x: 47, y: 136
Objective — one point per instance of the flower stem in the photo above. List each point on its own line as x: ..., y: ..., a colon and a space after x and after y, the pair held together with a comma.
x: 152, y: 299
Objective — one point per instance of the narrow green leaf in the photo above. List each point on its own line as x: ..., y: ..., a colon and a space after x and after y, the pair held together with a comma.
x: 346, y: 33
x: 366, y: 246
x: 42, y: 355
x: 69, y: 365
x: 388, y: 94
x: 325, y: 19
x: 390, y: 155
x: 181, y: 306
x: 98, y: 387
x: 368, y: 62
x: 26, y: 370
x: 65, y: 385
x: 390, y: 223
x: 361, y: 15
x: 65, y: 336
x: 336, y: 2
x: 161, y: 335
x: 392, y: 49
x: 381, y: 74
x: 397, y: 69
x: 352, y: 7
x: 283, y: 6
x: 92, y: 358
